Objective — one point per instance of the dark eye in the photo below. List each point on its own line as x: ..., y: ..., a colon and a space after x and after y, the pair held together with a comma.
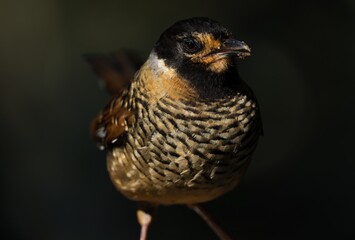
x: 191, y: 45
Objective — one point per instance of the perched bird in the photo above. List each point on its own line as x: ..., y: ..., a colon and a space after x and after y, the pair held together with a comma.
x: 183, y: 128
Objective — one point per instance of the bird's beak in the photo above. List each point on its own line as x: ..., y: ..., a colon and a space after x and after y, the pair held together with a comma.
x: 233, y: 47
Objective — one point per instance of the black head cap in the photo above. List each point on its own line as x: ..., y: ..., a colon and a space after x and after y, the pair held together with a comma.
x: 166, y: 46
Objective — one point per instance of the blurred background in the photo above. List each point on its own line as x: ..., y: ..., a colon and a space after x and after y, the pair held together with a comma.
x: 54, y: 183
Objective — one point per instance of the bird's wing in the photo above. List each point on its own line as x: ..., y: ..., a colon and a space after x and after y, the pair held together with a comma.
x: 110, y: 126
x: 116, y: 72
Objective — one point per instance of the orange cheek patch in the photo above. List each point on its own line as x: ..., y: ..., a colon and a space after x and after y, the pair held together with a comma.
x: 219, y: 66
x: 213, y: 62
x: 209, y: 43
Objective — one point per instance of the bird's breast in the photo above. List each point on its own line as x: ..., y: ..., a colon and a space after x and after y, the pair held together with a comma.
x: 185, y: 151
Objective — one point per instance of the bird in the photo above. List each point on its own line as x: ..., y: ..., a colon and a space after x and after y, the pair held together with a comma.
x: 181, y: 127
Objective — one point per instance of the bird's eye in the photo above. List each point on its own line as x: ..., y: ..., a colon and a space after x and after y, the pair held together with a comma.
x: 191, y: 45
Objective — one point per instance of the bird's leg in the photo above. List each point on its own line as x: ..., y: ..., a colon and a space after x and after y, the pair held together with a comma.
x: 144, y: 220
x: 145, y: 214
x: 210, y: 221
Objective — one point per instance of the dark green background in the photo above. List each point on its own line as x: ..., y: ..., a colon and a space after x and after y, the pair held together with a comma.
x: 54, y: 183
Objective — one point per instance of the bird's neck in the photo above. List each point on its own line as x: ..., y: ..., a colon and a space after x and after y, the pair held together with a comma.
x: 158, y: 81
x: 162, y: 79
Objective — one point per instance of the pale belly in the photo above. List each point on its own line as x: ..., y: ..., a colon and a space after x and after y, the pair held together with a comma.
x: 142, y: 174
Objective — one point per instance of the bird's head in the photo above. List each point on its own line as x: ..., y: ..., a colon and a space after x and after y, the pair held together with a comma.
x: 199, y: 46
x: 200, y: 53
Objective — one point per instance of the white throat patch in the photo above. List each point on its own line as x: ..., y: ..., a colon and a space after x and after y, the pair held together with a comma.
x: 157, y: 65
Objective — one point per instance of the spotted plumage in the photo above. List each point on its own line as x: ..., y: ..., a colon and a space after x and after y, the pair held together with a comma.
x: 184, y: 129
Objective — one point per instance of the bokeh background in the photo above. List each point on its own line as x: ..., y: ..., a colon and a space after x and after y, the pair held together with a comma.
x: 54, y: 183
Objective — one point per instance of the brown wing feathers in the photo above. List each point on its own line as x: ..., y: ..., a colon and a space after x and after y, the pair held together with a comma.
x: 111, y: 124
x: 116, y: 71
